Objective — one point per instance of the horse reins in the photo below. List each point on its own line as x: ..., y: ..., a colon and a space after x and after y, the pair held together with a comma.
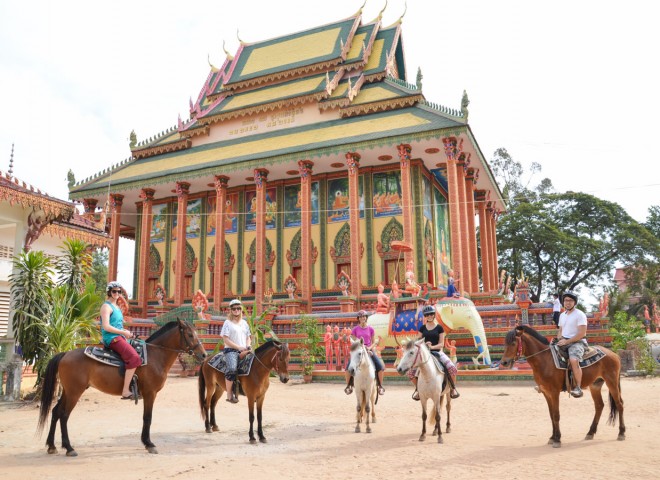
x: 273, y: 360
x: 519, y: 352
x: 182, y: 338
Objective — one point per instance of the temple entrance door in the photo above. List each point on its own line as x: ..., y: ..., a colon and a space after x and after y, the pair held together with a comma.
x: 296, y: 273
x: 390, y: 269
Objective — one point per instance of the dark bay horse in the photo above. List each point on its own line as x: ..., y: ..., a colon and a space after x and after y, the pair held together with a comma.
x: 77, y: 372
x: 524, y: 340
x: 271, y: 355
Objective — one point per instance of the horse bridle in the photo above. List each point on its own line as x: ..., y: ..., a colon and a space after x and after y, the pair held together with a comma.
x: 419, y: 351
x: 274, y: 361
x: 519, y: 351
x: 182, y: 337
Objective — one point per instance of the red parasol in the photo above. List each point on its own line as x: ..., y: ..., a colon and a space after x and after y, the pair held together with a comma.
x: 400, y: 246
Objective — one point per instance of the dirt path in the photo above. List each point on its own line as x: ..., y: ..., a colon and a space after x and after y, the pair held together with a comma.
x: 499, y: 431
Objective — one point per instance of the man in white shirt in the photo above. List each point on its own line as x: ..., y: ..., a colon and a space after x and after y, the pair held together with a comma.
x: 556, y: 309
x: 572, y: 332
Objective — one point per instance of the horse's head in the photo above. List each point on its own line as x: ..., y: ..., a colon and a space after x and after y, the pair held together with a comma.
x: 358, y: 354
x: 281, y: 361
x: 190, y: 341
x: 411, y: 351
x: 512, y: 347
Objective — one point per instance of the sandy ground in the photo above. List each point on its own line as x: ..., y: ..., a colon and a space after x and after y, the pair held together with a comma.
x: 499, y: 431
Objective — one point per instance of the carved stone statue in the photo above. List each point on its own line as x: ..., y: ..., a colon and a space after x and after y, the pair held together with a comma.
x: 290, y: 285
x: 37, y: 220
x: 344, y: 283
x: 346, y: 345
x: 411, y: 284
x: 200, y: 304
x: 133, y: 140
x: 383, y: 305
x: 327, y: 340
x: 71, y: 179
x: 336, y: 346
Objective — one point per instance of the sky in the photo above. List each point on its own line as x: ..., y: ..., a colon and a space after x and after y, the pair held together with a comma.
x: 572, y: 85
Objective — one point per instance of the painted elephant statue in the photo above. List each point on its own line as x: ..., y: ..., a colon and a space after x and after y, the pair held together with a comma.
x: 458, y: 313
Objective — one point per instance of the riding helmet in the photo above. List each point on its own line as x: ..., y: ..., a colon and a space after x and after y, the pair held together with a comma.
x: 112, y: 285
x: 235, y: 301
x: 362, y: 313
x: 570, y: 294
x: 428, y: 310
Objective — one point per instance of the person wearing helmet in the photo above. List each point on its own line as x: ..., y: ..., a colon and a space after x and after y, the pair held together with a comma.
x: 236, y: 336
x: 114, y: 336
x: 367, y: 334
x: 572, y: 335
x: 434, y: 337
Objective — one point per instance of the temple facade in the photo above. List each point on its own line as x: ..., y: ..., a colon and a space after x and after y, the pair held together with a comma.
x: 304, y: 158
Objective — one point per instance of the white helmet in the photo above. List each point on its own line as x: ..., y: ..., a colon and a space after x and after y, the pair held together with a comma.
x: 235, y: 301
x: 112, y: 285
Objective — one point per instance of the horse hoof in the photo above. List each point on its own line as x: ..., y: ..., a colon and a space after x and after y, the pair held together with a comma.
x: 253, y: 441
x: 440, y: 439
x: 551, y: 441
x: 448, y: 429
x: 263, y: 440
x: 589, y: 437
x: 208, y: 430
x: 368, y: 430
x: 422, y: 438
x: 71, y: 453
x: 556, y: 445
x: 52, y: 450
x: 152, y: 450
x: 357, y: 429
x: 621, y: 437
x: 216, y: 428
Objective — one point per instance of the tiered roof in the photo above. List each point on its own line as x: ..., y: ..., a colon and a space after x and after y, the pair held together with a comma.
x: 352, y: 69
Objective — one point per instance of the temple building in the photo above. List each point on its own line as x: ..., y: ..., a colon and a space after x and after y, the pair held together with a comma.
x: 304, y: 158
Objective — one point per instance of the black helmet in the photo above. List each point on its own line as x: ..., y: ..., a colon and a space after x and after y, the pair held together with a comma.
x: 429, y: 310
x: 570, y: 294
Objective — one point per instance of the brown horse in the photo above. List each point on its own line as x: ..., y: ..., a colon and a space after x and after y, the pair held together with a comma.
x: 271, y: 355
x: 524, y: 340
x: 77, y: 372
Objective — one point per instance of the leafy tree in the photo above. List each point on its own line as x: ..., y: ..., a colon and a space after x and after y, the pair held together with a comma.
x: 75, y: 264
x: 30, y: 283
x: 100, y: 270
x: 653, y: 220
x: 625, y: 328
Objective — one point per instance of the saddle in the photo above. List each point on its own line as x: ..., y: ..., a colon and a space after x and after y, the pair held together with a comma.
x: 560, y: 356
x: 244, y: 364
x: 110, y: 357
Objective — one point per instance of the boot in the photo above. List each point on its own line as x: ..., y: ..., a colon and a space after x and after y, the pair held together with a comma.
x: 349, y: 388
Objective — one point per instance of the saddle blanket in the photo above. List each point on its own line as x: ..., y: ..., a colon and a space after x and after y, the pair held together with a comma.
x: 110, y: 357
x: 244, y: 364
x: 591, y: 356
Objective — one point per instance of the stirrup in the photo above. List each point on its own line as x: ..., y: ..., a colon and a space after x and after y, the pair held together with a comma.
x: 576, y: 392
x: 454, y: 394
x: 348, y: 390
x: 381, y: 390
x: 415, y: 395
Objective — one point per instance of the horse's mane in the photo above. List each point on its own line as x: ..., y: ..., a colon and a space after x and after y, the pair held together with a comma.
x: 162, y: 330
x: 267, y: 346
x: 511, y: 335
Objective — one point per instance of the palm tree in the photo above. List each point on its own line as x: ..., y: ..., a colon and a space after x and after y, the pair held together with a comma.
x: 30, y: 283
x: 75, y: 264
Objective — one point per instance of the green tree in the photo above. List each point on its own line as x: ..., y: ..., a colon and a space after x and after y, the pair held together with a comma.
x: 30, y: 283
x: 653, y: 220
x: 100, y: 270
x: 75, y: 264
x: 311, y: 351
x: 625, y: 328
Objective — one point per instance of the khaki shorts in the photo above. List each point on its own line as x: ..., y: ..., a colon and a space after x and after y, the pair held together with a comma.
x: 576, y: 350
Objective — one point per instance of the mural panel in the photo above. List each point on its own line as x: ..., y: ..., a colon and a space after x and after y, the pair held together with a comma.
x: 387, y: 194
x: 231, y: 220
x: 442, y: 253
x: 251, y: 209
x: 159, y: 223
x: 193, y: 219
x: 292, y: 205
x: 338, y: 199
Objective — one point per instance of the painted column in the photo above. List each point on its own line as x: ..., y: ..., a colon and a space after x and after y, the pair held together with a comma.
x: 305, y: 168
x: 491, y: 248
x: 353, y: 163
x: 116, y: 201
x: 493, y: 223
x: 406, y: 201
x: 452, y: 149
x: 182, y: 190
x: 470, y: 179
x: 466, y: 274
x: 89, y: 204
x: 219, y: 286
x: 486, y: 274
x: 260, y: 179
x: 147, y: 196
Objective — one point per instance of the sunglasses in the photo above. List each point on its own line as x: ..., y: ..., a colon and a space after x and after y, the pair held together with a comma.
x: 236, y: 308
x: 115, y: 291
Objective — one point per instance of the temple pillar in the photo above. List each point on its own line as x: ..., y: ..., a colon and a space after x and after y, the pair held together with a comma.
x: 466, y: 273
x: 452, y: 149
x: 353, y: 163
x: 260, y: 179
x: 89, y: 204
x: 305, y: 168
x: 182, y: 190
x: 494, y: 242
x: 219, y: 286
x: 147, y: 196
x: 116, y: 202
x: 406, y: 200
x: 484, y: 237
x: 491, y: 248
x: 473, y: 261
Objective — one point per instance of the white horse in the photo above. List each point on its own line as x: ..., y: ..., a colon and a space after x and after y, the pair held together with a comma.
x: 429, y: 383
x: 364, y: 375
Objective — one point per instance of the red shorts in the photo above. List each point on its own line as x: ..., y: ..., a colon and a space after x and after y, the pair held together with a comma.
x: 126, y: 352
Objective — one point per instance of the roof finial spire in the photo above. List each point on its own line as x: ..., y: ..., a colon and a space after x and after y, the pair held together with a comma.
x: 404, y: 11
x: 11, y: 161
x: 380, y: 15
x: 239, y: 38
x: 213, y: 67
x: 229, y: 56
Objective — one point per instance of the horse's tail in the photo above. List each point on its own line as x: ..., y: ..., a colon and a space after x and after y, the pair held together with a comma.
x: 201, y: 390
x: 614, y: 412
x: 48, y: 390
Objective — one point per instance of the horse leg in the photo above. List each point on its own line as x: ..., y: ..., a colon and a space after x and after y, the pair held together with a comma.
x: 66, y: 404
x: 260, y: 431
x: 448, y: 412
x: 214, y: 401
x: 250, y: 403
x: 358, y: 412
x: 54, y: 418
x: 422, y: 437
x: 616, y: 404
x: 148, y: 399
x: 553, y: 408
x: 367, y: 412
x: 437, y: 406
x: 373, y: 406
x: 595, y: 389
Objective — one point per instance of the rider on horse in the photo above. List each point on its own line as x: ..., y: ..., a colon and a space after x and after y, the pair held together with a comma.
x: 572, y: 336
x: 237, y: 338
x: 366, y: 333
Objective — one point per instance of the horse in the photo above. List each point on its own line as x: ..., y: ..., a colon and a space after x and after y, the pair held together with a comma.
x: 77, y: 372
x: 272, y: 355
x: 416, y: 354
x: 363, y: 371
x: 524, y: 340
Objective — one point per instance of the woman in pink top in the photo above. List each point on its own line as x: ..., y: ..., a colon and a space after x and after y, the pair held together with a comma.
x: 366, y: 333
